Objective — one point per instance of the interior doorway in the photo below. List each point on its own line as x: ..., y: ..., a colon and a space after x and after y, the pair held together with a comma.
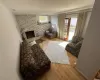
x: 70, y: 26
x: 66, y: 30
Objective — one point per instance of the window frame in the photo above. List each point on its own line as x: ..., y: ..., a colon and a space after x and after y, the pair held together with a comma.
x: 43, y: 21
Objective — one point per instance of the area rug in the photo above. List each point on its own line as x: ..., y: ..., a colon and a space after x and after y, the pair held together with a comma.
x: 55, y: 50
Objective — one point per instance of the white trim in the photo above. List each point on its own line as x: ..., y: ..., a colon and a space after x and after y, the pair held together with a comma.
x: 81, y: 73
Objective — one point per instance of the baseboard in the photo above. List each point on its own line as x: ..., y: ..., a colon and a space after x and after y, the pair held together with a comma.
x: 81, y: 73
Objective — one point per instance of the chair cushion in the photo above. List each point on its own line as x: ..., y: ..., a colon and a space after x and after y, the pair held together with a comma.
x: 50, y: 30
x: 76, y: 39
x: 71, y: 45
x: 40, y: 56
x: 79, y: 44
x: 47, y: 32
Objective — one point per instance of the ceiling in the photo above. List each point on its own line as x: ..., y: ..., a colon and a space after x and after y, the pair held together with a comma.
x: 46, y: 6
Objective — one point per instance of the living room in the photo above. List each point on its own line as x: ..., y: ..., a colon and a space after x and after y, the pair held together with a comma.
x: 52, y: 43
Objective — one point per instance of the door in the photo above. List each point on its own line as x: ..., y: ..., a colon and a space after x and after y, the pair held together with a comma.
x: 72, y: 28
x: 67, y: 26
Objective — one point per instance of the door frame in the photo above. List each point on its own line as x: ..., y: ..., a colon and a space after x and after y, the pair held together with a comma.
x: 69, y: 20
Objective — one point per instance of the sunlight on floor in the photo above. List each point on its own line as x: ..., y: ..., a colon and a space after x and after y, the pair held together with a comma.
x: 63, y: 44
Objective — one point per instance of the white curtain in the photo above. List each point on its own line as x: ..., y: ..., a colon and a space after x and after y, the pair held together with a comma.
x: 80, y: 24
x: 61, y: 24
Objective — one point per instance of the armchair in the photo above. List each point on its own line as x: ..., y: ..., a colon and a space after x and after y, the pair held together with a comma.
x: 74, y: 46
x: 51, y: 33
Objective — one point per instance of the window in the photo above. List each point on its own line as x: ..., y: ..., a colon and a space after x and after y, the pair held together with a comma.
x: 43, y: 19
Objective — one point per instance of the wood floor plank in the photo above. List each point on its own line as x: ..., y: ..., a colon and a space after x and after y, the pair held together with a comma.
x: 61, y: 71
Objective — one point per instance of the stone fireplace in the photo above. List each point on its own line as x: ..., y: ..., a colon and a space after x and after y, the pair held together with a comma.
x: 30, y: 34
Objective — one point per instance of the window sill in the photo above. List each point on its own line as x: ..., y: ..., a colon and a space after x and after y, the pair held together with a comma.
x: 39, y: 23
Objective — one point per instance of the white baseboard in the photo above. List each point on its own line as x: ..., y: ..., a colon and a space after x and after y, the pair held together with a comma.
x: 81, y: 73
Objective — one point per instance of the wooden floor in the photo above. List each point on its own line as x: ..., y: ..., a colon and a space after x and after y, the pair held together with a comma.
x: 61, y: 71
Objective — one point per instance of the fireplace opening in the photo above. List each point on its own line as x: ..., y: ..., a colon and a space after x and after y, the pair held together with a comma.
x: 30, y: 34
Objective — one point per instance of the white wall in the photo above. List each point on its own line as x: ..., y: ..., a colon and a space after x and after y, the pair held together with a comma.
x: 89, y: 57
x: 9, y: 45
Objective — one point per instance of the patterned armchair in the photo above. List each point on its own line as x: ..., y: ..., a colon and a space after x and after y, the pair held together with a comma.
x: 51, y: 33
x: 74, y: 46
x: 33, y: 61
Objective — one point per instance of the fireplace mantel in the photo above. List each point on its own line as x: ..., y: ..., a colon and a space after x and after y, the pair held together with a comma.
x: 30, y: 39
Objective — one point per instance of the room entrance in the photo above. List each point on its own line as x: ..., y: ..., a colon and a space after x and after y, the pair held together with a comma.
x: 70, y: 26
